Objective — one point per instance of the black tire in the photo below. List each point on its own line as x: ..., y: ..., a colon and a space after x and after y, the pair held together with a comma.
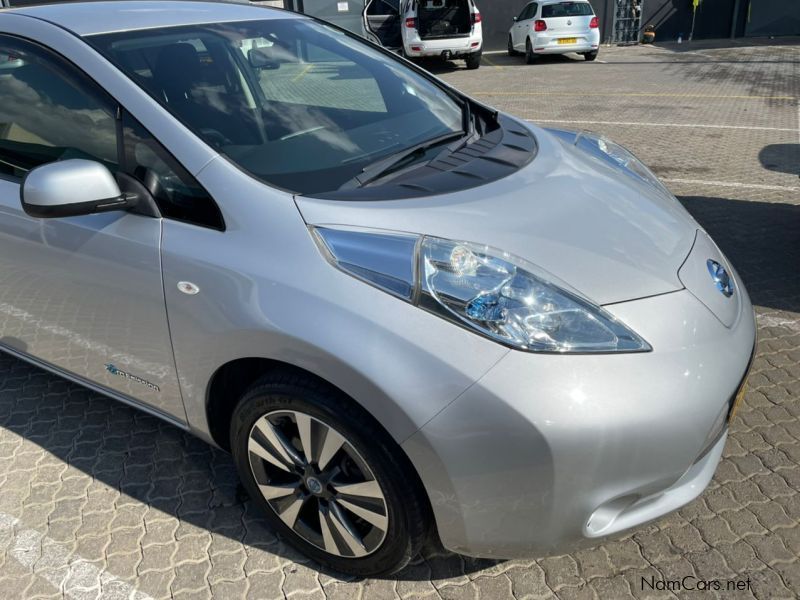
x: 530, y: 56
x: 511, y: 51
x: 590, y: 56
x: 474, y: 60
x: 407, y: 510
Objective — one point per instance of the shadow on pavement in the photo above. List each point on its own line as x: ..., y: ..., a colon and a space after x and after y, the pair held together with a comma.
x: 155, y: 464
x: 783, y: 158
x: 726, y: 43
x: 438, y: 66
x: 151, y: 463
x: 710, y: 61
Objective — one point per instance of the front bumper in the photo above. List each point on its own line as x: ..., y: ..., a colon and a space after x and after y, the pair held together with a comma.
x: 546, y: 452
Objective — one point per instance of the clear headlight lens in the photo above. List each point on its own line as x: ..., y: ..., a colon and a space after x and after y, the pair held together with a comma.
x: 619, y: 157
x: 488, y: 291
x: 497, y: 295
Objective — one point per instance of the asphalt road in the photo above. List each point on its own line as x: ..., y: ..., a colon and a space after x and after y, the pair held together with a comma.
x: 98, y: 500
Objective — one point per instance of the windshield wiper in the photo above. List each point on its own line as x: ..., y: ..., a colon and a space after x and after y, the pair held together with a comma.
x: 397, y: 160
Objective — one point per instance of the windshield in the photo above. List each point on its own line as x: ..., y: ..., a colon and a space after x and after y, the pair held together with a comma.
x: 297, y: 104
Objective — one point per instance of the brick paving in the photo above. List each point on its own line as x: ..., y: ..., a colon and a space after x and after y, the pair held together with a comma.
x: 99, y: 500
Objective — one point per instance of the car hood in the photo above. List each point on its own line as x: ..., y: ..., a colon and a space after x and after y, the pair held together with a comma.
x: 602, y: 232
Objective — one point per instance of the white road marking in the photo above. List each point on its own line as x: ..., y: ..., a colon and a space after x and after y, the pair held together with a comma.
x: 773, y: 321
x: 637, y: 124
x: 73, y: 575
x: 734, y: 184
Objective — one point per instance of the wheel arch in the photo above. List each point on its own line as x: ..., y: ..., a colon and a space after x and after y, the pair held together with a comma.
x: 231, y: 380
x: 227, y: 385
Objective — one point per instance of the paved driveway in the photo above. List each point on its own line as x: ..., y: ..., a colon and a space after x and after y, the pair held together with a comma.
x: 100, y: 500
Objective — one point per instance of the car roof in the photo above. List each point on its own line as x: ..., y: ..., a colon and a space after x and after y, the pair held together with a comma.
x: 90, y: 18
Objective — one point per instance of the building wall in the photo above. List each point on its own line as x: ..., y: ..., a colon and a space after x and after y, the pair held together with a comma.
x: 673, y: 17
x: 772, y: 17
x: 497, y: 17
x: 714, y: 18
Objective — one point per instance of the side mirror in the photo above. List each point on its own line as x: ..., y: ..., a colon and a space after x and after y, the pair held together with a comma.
x: 514, y: 19
x: 70, y: 188
x: 260, y: 59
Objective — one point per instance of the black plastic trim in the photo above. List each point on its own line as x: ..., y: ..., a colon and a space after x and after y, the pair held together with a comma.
x: 501, y: 152
x: 77, y: 209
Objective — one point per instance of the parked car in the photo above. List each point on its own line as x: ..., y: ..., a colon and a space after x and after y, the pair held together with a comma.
x: 450, y: 29
x: 555, y: 27
x: 403, y: 312
x: 446, y: 28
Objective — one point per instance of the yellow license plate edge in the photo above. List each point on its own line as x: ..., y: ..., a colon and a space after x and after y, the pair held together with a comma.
x: 739, y: 398
x: 743, y: 386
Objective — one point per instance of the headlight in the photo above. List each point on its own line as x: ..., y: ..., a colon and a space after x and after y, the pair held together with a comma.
x: 488, y: 291
x: 619, y: 157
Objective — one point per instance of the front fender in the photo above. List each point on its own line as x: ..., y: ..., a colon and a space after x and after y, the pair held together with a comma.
x: 266, y: 291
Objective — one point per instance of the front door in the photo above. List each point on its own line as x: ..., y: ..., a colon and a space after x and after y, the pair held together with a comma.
x: 83, y: 294
x: 383, y: 19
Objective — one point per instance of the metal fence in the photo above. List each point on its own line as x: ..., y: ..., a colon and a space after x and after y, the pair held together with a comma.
x: 627, y: 19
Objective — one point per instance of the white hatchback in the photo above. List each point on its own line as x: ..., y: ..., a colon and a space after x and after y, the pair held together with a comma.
x: 555, y: 27
x: 446, y: 28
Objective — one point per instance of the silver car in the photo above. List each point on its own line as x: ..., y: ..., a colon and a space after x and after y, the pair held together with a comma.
x: 404, y: 313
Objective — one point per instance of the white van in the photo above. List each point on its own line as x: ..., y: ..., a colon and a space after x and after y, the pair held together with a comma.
x: 446, y: 28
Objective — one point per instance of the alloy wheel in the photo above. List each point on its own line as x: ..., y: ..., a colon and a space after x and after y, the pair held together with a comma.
x: 317, y: 483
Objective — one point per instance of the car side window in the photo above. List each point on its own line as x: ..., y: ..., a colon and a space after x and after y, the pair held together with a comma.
x: 48, y: 112
x: 178, y: 195
x: 524, y: 12
x: 528, y: 12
